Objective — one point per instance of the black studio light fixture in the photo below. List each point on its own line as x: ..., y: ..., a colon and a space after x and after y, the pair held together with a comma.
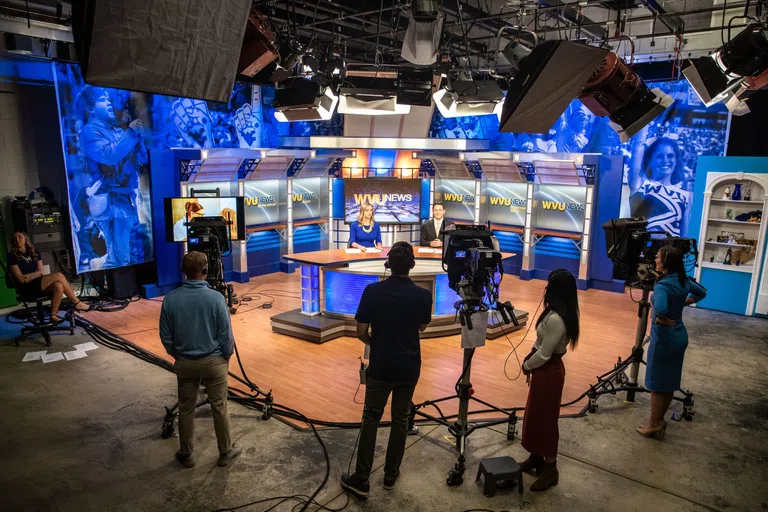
x: 557, y: 72
x: 617, y: 92
x: 304, y: 100
x: 734, y: 71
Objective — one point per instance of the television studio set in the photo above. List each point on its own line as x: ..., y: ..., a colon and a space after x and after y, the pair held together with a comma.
x: 372, y: 249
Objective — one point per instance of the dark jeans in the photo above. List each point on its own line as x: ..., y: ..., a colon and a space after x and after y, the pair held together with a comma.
x: 376, y: 396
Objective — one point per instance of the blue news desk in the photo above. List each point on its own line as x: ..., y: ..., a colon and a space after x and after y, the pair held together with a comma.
x: 333, y: 281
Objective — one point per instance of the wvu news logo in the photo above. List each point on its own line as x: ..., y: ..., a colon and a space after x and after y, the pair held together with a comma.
x: 506, y: 201
x: 382, y: 199
x: 304, y: 197
x: 458, y: 198
x: 556, y: 205
x: 262, y: 201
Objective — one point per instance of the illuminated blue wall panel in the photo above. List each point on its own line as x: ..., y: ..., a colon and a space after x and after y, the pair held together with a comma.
x: 264, y: 249
x: 308, y: 239
x: 510, y: 242
x: 426, y: 211
x: 445, y: 298
x: 343, y: 291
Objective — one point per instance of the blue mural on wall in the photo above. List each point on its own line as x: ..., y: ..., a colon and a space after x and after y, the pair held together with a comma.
x: 273, y: 129
x: 659, y: 162
x: 106, y: 135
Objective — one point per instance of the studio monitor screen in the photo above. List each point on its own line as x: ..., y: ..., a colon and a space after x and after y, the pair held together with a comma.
x: 549, y: 79
x: 394, y: 201
x: 186, y: 48
x: 180, y: 210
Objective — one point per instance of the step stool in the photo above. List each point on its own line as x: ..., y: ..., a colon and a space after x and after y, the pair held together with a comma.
x: 499, y: 472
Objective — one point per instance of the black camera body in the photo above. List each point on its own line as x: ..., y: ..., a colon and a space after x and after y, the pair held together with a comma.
x: 633, y: 248
x: 210, y: 235
x: 471, y: 257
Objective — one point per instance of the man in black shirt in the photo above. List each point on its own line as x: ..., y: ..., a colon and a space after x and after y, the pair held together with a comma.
x: 395, y: 310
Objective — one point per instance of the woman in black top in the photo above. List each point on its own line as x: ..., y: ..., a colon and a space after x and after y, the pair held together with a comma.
x: 26, y: 267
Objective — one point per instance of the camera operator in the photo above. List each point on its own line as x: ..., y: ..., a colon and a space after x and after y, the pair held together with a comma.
x: 557, y: 326
x: 396, y: 310
x: 669, y: 338
x: 195, y: 329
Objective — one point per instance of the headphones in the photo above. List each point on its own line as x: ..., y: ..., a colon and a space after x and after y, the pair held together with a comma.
x: 204, y: 271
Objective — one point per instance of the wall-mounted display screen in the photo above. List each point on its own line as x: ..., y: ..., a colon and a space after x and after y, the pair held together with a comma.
x: 262, y: 201
x: 394, y: 201
x: 180, y: 210
x: 458, y: 197
x: 560, y: 207
x: 506, y: 203
x: 310, y: 198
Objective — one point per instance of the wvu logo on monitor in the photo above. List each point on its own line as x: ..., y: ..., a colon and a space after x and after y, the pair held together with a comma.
x: 556, y: 205
x: 458, y: 198
x: 261, y: 201
x: 506, y: 201
x: 382, y: 199
x: 304, y: 197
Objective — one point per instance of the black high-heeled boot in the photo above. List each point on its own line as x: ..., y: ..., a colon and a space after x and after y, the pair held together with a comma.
x: 549, y: 477
x: 533, y: 465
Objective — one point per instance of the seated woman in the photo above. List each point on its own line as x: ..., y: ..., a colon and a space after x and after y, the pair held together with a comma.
x: 26, y: 267
x: 365, y: 232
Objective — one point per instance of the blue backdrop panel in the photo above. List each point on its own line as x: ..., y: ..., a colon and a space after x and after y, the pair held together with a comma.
x: 606, y: 206
x: 426, y: 212
x: 343, y: 291
x: 726, y: 290
x: 263, y: 252
x: 445, y: 298
x: 553, y: 252
x: 308, y: 239
x: 510, y: 242
x: 338, y: 198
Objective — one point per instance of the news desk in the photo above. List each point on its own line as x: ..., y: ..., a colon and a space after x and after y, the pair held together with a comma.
x: 333, y: 281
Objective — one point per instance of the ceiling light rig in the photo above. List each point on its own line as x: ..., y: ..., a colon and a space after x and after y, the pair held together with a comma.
x: 734, y: 72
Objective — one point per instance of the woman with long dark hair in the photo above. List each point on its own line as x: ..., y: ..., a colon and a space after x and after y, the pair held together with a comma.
x: 557, y: 327
x: 672, y: 292
x: 657, y: 187
x: 26, y: 267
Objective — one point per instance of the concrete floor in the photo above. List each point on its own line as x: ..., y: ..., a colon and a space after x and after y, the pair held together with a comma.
x: 84, y: 435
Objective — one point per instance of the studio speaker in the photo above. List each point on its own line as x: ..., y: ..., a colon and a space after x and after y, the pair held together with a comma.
x: 187, y: 48
x: 121, y: 283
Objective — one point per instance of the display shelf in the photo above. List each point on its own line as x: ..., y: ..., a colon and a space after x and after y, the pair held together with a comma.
x: 721, y: 266
x: 731, y: 201
x: 725, y: 244
x: 729, y: 221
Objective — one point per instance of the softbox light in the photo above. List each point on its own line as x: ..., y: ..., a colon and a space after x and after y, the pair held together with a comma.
x: 550, y: 78
x: 421, y: 41
x: 304, y: 100
x: 469, y: 98
x: 370, y: 102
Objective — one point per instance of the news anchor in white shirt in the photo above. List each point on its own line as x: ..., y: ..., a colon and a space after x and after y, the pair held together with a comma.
x: 430, y: 230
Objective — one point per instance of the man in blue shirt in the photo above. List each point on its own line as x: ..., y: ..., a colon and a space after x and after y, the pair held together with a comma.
x: 395, y: 310
x: 195, y: 329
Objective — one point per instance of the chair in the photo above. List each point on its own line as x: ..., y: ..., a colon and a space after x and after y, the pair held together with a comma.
x: 36, y: 316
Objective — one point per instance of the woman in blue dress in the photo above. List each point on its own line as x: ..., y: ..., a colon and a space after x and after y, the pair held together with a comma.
x: 669, y: 338
x: 365, y: 232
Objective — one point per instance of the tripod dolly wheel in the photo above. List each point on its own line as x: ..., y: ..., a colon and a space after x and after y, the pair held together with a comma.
x: 168, y: 429
x: 455, y: 477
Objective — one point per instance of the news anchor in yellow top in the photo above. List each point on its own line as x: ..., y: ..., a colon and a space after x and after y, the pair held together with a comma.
x: 365, y: 232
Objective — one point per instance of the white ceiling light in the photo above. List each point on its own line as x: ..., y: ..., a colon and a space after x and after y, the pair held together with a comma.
x: 470, y: 99
x: 370, y: 102
x: 300, y: 108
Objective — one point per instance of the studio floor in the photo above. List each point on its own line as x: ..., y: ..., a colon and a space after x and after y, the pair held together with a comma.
x: 83, y: 436
x: 322, y: 380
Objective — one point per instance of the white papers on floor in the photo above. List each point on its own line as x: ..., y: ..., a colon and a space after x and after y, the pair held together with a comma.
x: 352, y: 251
x: 34, y: 356
x: 50, y: 358
x: 428, y: 250
x: 85, y: 347
x: 74, y: 354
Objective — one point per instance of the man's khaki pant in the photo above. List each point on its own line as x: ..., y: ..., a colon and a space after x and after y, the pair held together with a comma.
x: 212, y: 371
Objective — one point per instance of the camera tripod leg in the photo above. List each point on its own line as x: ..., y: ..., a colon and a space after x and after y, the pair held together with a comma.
x: 512, y: 426
x: 412, y: 428
x: 643, y: 310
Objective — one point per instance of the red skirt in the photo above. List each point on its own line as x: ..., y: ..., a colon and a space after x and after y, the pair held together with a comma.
x: 542, y: 410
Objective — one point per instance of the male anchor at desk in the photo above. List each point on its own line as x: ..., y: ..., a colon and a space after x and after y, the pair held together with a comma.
x: 430, y: 230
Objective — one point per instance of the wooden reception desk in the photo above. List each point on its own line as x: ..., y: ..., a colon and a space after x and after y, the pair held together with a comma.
x: 333, y: 281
